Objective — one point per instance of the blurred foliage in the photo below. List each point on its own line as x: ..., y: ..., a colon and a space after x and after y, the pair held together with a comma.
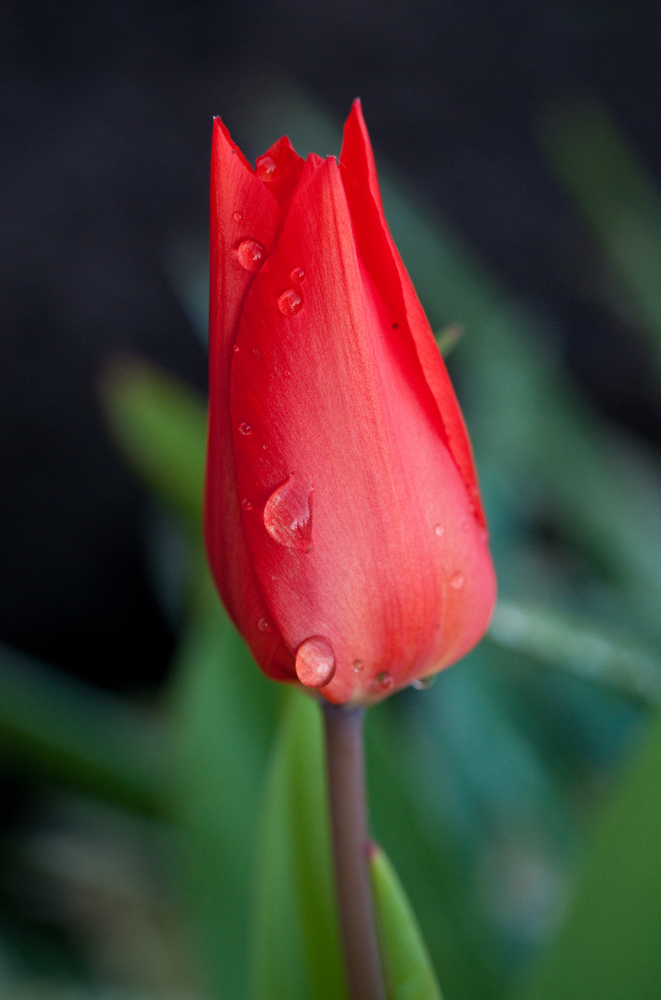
x: 518, y: 798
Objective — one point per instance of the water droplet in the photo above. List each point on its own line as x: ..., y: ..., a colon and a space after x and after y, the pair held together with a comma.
x: 236, y: 348
x: 439, y: 530
x: 266, y: 168
x: 290, y: 302
x: 246, y: 504
x: 423, y: 683
x: 457, y: 581
x: 245, y: 429
x: 263, y: 625
x: 297, y: 274
x: 265, y: 447
x: 384, y: 681
x: 288, y: 515
x: 251, y: 255
x: 358, y: 665
x: 237, y: 216
x: 315, y: 662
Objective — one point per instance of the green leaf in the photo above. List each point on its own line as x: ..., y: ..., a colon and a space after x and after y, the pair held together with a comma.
x: 608, y: 948
x: 407, y: 966
x: 160, y: 426
x: 223, y: 713
x: 581, y: 647
x: 296, y: 945
x: 73, y: 734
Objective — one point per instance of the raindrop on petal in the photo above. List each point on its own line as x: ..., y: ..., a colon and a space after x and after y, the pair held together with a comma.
x: 290, y: 302
x: 266, y: 167
x: 251, y: 254
x: 246, y: 504
x: 236, y: 348
x: 422, y: 683
x: 288, y: 515
x: 439, y: 530
x: 245, y: 428
x: 457, y: 581
x: 297, y: 274
x: 384, y: 681
x: 315, y: 662
x: 263, y: 625
x: 358, y: 665
x: 237, y: 216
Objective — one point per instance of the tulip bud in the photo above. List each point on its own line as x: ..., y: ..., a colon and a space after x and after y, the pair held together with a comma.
x: 343, y: 519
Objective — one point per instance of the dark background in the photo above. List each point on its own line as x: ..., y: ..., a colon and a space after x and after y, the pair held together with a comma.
x: 106, y: 119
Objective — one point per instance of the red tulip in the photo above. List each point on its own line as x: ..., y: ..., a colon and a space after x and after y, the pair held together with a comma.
x: 343, y: 520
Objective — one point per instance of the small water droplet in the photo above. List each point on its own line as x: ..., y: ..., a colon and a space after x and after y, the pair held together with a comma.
x: 384, y: 681
x: 423, y: 683
x: 266, y: 168
x: 265, y: 447
x: 457, y: 581
x: 315, y: 662
x: 245, y: 428
x: 297, y: 274
x: 236, y: 348
x: 290, y: 302
x: 358, y: 665
x: 439, y: 530
x: 246, y: 504
x: 263, y: 625
x: 237, y: 216
x: 251, y: 254
x: 288, y: 515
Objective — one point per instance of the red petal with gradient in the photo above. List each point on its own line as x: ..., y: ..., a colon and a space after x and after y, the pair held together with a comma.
x: 376, y: 246
x: 241, y: 209
x: 397, y: 576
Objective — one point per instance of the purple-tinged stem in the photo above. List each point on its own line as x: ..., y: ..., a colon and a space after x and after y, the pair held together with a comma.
x: 346, y: 784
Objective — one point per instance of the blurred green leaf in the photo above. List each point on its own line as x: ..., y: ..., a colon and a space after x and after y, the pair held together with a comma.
x: 68, y: 732
x: 618, y: 198
x: 222, y: 711
x: 608, y: 948
x: 296, y: 946
x: 581, y: 647
x: 160, y: 426
x: 408, y: 970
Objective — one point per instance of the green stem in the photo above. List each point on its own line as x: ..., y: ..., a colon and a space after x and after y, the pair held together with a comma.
x: 346, y: 784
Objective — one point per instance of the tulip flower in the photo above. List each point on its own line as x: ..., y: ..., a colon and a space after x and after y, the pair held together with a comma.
x: 343, y: 520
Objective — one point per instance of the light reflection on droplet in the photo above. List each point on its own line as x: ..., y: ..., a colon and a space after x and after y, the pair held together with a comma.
x: 423, y: 683
x: 290, y: 302
x: 246, y: 504
x: 245, y: 428
x: 265, y: 168
x: 315, y: 662
x: 251, y: 254
x: 263, y: 625
x: 237, y: 216
x: 384, y: 681
x: 297, y: 274
x: 439, y: 530
x: 288, y: 514
x: 358, y: 666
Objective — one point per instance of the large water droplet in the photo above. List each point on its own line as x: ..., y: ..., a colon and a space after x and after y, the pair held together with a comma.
x: 263, y: 625
x: 384, y: 681
x: 288, y: 515
x: 315, y: 662
x: 290, y: 302
x: 457, y: 581
x: 265, y: 168
x: 297, y: 274
x: 439, y: 530
x: 251, y: 254
x: 245, y: 428
x: 422, y: 683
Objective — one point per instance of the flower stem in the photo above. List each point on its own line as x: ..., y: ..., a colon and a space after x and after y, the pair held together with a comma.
x: 346, y: 784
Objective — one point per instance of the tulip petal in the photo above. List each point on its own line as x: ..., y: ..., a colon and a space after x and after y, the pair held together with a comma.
x: 398, y: 579
x: 382, y: 259
x: 243, y: 213
x: 287, y: 169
